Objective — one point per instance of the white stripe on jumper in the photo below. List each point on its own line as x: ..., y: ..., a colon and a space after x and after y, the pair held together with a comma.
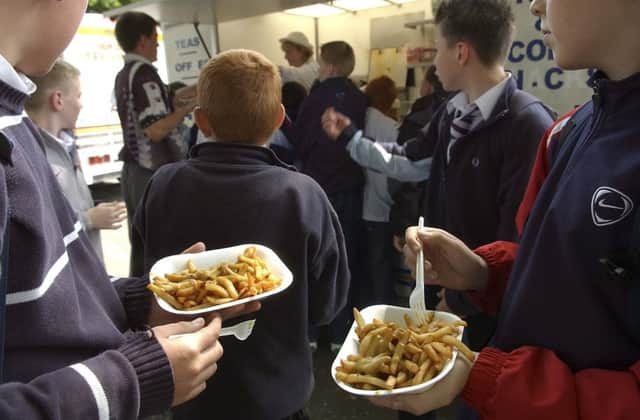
x: 56, y: 268
x: 96, y: 389
x: 10, y: 120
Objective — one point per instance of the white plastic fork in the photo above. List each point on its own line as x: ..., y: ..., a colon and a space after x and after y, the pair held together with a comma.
x: 241, y: 331
x: 416, y: 299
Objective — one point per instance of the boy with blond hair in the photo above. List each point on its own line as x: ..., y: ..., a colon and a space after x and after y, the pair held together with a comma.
x: 233, y: 190
x: 567, y: 345
x: 55, y: 107
x: 329, y: 163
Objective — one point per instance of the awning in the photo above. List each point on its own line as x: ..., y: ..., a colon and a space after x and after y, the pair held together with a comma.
x: 170, y: 12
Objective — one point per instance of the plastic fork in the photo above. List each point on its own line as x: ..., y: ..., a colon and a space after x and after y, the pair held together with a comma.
x: 416, y: 299
x: 241, y: 331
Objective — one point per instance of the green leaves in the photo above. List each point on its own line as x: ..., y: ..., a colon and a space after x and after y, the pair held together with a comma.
x: 99, y: 6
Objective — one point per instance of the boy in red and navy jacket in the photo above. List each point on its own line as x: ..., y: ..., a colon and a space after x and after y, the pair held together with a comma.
x: 567, y: 345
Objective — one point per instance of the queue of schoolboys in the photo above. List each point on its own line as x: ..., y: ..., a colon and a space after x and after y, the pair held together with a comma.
x: 533, y: 225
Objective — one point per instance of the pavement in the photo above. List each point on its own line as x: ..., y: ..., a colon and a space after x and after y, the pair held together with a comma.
x: 328, y: 402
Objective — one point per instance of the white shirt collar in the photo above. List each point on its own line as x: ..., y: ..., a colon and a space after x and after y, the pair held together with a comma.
x: 64, y: 140
x: 485, y: 103
x: 128, y: 57
x: 53, y: 136
x: 14, y: 79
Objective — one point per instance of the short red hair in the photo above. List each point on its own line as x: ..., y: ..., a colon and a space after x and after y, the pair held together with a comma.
x: 239, y: 92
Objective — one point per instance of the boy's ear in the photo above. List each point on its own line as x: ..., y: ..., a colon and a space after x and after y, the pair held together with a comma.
x: 202, y: 122
x: 464, y: 53
x: 280, y: 117
x: 55, y: 101
x: 140, y: 43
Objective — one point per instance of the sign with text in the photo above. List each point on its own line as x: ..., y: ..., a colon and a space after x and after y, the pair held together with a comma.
x: 532, y: 64
x: 185, y: 52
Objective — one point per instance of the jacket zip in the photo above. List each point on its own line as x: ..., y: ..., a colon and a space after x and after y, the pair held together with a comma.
x: 598, y: 117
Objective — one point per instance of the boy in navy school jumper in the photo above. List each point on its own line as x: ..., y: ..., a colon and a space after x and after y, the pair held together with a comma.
x: 329, y: 164
x: 70, y: 351
x: 234, y: 190
x: 567, y: 344
x: 477, y: 179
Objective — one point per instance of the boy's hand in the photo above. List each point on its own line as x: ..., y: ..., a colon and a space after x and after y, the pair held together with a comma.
x: 195, y: 248
x: 448, y: 262
x: 108, y: 215
x: 158, y: 316
x: 186, y: 97
x: 441, y: 394
x: 193, y: 355
x: 334, y: 122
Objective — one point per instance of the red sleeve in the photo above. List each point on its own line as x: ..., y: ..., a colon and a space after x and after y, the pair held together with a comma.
x: 533, y: 383
x: 499, y: 257
x: 540, y: 169
x: 536, y: 178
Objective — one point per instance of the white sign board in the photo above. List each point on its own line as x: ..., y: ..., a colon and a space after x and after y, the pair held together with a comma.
x: 531, y: 63
x: 185, y: 53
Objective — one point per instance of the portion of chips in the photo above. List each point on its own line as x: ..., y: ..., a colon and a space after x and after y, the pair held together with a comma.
x: 194, y: 288
x: 391, y: 357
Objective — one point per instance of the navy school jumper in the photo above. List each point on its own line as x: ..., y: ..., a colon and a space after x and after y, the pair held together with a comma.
x: 229, y: 194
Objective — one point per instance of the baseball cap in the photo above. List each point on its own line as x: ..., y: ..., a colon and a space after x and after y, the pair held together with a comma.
x: 298, y: 38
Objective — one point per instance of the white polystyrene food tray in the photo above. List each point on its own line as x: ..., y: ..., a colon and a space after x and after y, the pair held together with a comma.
x: 206, y: 259
x: 395, y: 314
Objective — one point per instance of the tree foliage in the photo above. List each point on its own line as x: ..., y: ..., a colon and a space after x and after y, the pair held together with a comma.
x: 100, y: 6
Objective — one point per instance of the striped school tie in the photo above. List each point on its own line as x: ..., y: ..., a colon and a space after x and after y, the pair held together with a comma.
x: 462, y: 124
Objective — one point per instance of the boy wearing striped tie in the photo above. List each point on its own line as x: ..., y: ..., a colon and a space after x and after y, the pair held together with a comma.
x: 478, y: 149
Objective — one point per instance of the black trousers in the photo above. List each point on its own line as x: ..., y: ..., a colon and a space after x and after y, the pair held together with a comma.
x: 133, y: 182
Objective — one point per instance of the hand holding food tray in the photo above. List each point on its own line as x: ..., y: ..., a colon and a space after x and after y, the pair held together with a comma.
x: 217, y: 279
x: 387, y: 353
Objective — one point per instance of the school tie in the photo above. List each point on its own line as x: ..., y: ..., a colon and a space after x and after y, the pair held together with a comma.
x: 463, y: 122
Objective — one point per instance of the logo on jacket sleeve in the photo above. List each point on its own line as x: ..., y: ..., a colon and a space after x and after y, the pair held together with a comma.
x: 609, y: 206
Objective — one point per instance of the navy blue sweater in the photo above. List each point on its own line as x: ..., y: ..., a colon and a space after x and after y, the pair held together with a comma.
x: 323, y: 159
x: 68, y: 354
x: 232, y: 194
x: 476, y: 195
x: 560, y: 295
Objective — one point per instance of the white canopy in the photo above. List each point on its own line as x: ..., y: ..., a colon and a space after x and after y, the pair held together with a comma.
x: 170, y: 12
